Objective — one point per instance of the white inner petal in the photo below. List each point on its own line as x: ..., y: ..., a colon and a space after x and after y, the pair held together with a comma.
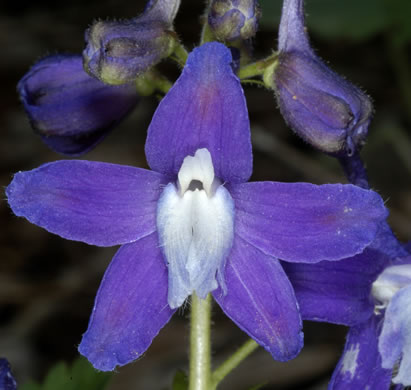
x: 195, y: 225
x: 199, y: 168
x: 389, y: 282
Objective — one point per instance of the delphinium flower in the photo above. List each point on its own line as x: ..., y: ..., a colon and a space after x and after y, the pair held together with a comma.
x: 193, y: 225
x: 371, y: 293
x: 7, y: 381
x: 377, y: 352
x: 322, y: 107
x: 69, y: 109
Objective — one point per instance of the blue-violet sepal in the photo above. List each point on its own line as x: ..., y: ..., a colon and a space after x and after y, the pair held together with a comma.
x: 69, y: 109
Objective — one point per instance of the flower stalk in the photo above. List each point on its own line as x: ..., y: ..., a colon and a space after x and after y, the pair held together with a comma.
x: 355, y: 170
x: 232, y: 362
x: 257, y: 68
x: 200, y: 355
x: 180, y: 54
x: 207, y: 34
x: 150, y: 82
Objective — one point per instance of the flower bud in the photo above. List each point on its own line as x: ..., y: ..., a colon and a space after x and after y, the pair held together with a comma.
x: 234, y: 19
x: 323, y: 108
x: 118, y: 52
x: 70, y: 110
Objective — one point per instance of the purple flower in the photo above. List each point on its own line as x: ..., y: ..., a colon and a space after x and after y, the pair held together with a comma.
x: 370, y: 292
x: 193, y: 224
x: 70, y: 110
x: 117, y: 52
x: 231, y: 20
x: 7, y: 381
x: 392, y: 290
x: 323, y: 108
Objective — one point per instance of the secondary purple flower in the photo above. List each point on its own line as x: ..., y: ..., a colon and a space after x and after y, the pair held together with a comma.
x: 231, y: 20
x: 118, y: 51
x: 382, y: 345
x: 193, y: 224
x: 370, y: 292
x: 322, y: 107
x: 7, y: 381
x: 393, y: 290
x: 70, y: 110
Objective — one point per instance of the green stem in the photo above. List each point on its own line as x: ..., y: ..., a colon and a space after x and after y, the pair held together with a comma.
x: 180, y: 54
x: 257, y: 68
x: 200, y: 355
x: 152, y: 81
x: 206, y: 34
x: 163, y: 85
x: 232, y: 362
x: 254, y: 82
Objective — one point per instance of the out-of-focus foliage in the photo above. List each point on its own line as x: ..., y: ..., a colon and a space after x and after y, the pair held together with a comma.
x: 80, y: 376
x: 257, y: 387
x: 349, y: 19
x: 180, y: 381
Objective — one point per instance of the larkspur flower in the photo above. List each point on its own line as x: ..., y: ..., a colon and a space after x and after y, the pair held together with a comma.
x: 117, y: 52
x: 7, y: 381
x: 322, y: 107
x: 69, y: 109
x: 371, y: 293
x: 193, y: 224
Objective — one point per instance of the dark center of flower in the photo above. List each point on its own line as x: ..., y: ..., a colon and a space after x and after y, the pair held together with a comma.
x: 195, y: 185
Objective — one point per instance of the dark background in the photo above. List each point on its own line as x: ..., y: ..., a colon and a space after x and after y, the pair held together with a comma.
x: 48, y: 284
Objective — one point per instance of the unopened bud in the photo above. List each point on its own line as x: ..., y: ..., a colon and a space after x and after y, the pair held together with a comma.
x: 118, y: 52
x: 234, y: 19
x: 70, y: 110
x: 322, y: 107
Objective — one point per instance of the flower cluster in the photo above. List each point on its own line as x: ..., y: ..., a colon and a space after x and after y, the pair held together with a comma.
x: 271, y: 254
x: 370, y: 292
x: 192, y: 224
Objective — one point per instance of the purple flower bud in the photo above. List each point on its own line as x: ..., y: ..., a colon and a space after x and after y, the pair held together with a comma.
x: 234, y: 19
x: 118, y: 52
x: 323, y: 108
x: 70, y: 110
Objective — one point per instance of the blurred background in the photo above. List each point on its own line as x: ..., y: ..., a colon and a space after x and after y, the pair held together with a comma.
x: 48, y: 284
